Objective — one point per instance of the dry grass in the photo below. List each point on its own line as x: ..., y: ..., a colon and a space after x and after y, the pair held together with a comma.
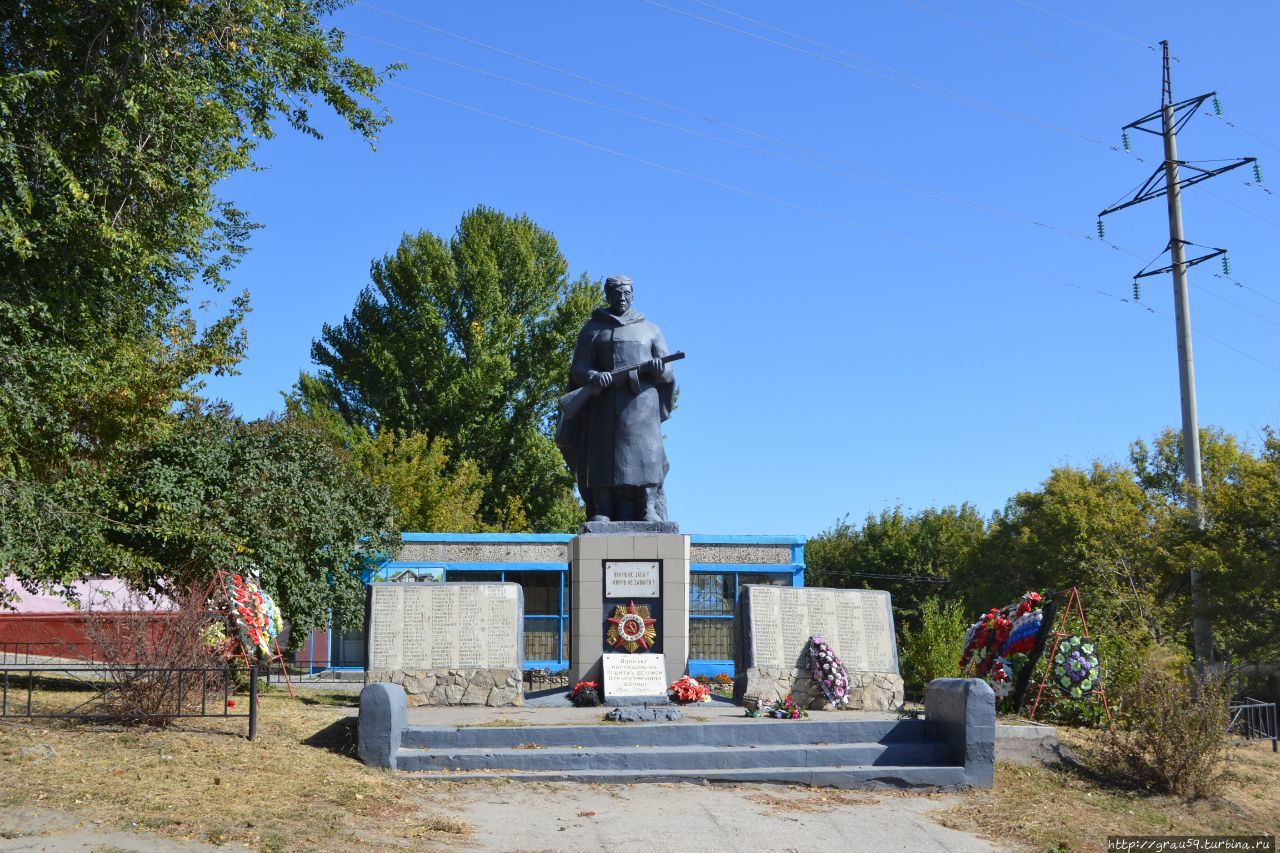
x: 1061, y: 809
x: 297, y: 786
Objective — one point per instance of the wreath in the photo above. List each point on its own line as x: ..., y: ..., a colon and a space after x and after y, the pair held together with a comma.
x: 1076, y: 671
x: 828, y: 671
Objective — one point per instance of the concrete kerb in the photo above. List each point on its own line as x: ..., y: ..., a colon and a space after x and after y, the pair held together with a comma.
x: 383, y: 709
x: 961, y: 712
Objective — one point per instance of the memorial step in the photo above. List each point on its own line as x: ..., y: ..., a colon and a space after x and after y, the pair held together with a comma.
x: 832, y: 777
x: 742, y: 733
x: 532, y: 757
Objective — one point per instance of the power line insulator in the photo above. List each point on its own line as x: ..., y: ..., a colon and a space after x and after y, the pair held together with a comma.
x: 1226, y: 265
x: 1217, y: 106
x: 1102, y: 231
x: 1137, y: 291
x: 1257, y: 172
x: 1124, y: 137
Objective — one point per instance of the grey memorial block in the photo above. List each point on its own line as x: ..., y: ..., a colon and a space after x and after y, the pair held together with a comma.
x: 629, y: 528
x: 382, y: 720
x: 624, y: 565
x: 774, y: 624
x: 635, y: 679
x: 961, y: 712
x: 447, y: 643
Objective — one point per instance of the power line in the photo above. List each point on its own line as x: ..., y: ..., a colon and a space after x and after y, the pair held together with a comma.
x: 872, y: 176
x: 931, y: 88
x: 1079, y: 22
x: 1026, y: 46
x: 793, y: 206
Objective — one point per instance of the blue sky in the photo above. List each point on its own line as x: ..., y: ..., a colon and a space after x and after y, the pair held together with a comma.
x: 833, y: 210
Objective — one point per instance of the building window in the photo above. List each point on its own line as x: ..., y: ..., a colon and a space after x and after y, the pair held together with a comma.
x: 713, y: 597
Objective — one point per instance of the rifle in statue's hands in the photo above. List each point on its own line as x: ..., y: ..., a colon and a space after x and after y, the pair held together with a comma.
x: 572, y: 403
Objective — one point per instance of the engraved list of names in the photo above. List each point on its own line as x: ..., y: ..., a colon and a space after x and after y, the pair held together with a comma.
x: 414, y: 627
x: 857, y: 622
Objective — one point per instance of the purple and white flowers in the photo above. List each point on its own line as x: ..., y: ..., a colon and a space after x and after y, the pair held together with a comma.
x: 828, y: 671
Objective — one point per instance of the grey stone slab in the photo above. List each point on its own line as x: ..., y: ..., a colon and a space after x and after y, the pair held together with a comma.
x: 628, y: 528
x: 961, y: 712
x: 381, y: 724
x: 934, y: 778
x: 744, y: 733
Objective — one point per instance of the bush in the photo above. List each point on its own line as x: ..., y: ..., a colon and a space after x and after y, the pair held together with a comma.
x: 933, y: 650
x: 158, y: 662
x: 1171, y: 734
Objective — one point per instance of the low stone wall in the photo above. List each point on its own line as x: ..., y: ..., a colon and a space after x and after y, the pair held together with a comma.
x: 868, y: 691
x: 492, y: 687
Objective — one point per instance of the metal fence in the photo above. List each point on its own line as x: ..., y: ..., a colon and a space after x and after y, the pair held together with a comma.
x: 41, y: 653
x: 304, y: 672
x: 1254, y: 720
x: 57, y: 691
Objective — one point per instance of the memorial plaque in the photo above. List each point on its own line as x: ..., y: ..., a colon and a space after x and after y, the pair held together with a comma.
x: 416, y: 627
x: 631, y: 579
x: 858, y: 623
x: 639, y: 675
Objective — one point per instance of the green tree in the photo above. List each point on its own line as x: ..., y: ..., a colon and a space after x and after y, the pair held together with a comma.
x: 117, y: 121
x: 1238, y: 549
x: 275, y: 495
x: 1092, y: 529
x: 932, y: 648
x: 910, y: 555
x: 466, y: 340
x: 428, y: 491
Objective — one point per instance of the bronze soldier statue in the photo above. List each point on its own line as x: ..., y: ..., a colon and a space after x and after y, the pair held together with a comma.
x: 622, y: 388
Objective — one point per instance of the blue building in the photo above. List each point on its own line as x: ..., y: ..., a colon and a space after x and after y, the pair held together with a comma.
x: 539, y: 563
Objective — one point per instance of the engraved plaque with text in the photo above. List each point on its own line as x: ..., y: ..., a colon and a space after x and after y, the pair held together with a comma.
x: 642, y: 675
x: 857, y: 622
x: 631, y: 579
x: 423, y: 626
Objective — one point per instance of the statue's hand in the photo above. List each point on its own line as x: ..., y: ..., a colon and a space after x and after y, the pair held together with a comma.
x: 656, y: 367
x: 600, y: 380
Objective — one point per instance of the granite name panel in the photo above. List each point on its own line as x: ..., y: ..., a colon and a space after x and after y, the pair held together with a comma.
x: 432, y: 626
x: 858, y: 623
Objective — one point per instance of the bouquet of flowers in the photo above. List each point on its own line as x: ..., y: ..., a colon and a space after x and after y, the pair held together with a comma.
x: 585, y: 694
x: 782, y: 709
x: 828, y: 671
x: 686, y: 689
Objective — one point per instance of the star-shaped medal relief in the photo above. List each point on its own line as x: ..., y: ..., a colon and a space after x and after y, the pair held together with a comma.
x: 631, y: 628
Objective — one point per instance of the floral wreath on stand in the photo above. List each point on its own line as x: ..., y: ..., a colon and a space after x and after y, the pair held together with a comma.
x: 1076, y: 671
x: 828, y: 671
x: 1001, y: 644
x: 253, y: 613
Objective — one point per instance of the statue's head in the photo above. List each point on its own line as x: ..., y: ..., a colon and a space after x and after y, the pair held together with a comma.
x: 617, y: 292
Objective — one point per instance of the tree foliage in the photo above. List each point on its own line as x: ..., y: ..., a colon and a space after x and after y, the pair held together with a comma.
x: 275, y: 496
x: 467, y: 341
x: 1124, y: 534
x: 117, y: 121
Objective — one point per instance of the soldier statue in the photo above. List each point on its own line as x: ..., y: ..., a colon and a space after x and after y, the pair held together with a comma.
x: 621, y: 389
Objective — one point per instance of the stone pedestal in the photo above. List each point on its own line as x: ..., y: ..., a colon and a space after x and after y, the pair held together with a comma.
x: 588, y: 608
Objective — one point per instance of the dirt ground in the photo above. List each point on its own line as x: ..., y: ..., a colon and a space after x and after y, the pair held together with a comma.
x: 298, y: 786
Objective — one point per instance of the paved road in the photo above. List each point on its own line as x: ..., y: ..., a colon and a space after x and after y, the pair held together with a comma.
x: 684, y: 817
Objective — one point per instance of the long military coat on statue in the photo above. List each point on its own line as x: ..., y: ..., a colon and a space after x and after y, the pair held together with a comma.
x: 616, y: 440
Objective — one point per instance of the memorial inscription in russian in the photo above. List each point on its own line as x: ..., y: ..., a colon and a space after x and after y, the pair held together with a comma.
x: 417, y: 627
x: 857, y: 622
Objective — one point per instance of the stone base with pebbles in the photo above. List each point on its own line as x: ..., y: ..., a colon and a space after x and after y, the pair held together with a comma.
x: 868, y: 691
x: 492, y: 687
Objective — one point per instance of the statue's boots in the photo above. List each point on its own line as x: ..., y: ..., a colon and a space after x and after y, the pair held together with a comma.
x: 604, y: 504
x: 651, y: 512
